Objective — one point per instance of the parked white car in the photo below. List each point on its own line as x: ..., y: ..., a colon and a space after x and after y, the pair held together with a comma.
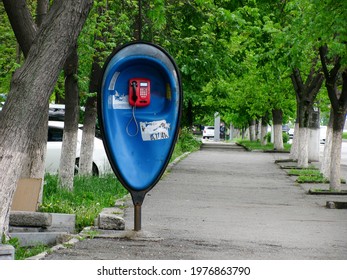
x: 101, y: 164
x: 208, y: 132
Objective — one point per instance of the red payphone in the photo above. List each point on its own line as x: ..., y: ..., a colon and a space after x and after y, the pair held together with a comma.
x: 139, y: 92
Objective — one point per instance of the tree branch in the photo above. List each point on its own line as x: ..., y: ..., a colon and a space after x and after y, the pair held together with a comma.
x: 25, y: 28
x: 330, y: 77
x: 298, y: 86
x: 315, y: 85
x: 312, y: 72
x: 343, y: 97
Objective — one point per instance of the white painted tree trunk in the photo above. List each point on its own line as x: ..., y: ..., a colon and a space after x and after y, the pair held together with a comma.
x: 303, y: 147
x: 67, y: 159
x: 335, y: 169
x: 31, y: 86
x: 278, y: 138
x: 252, y: 131
x: 69, y: 145
x: 263, y: 133
x: 257, y: 130
x: 313, y: 144
x: 326, y: 160
x: 294, y: 150
x: 87, y: 146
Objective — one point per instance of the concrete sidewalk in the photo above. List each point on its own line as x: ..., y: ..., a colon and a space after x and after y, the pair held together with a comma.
x: 226, y: 204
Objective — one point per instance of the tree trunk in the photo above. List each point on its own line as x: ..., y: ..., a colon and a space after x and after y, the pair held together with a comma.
x: 25, y: 30
x: 326, y: 161
x: 68, y: 151
x: 303, y: 147
x: 252, y: 130
x: 314, y: 136
x: 277, y: 116
x: 41, y: 11
x: 31, y: 87
x: 257, y: 130
x: 338, y: 124
x: 335, y: 169
x: 338, y: 102
x: 305, y: 95
x: 294, y: 150
x: 22, y: 23
x: 263, y: 131
x: 303, y: 133
x: 243, y: 133
x: 34, y: 161
x: 87, y: 146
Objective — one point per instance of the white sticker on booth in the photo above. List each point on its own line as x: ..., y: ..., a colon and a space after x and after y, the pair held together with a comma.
x: 156, y: 130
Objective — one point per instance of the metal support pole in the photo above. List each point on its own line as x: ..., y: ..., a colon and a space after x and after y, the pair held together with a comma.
x: 137, y: 217
x: 216, y: 126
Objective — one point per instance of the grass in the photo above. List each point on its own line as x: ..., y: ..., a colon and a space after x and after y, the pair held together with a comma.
x: 312, y: 179
x: 310, y: 175
x: 344, y: 135
x: 256, y: 145
x: 304, y: 172
x: 22, y: 253
x: 89, y: 196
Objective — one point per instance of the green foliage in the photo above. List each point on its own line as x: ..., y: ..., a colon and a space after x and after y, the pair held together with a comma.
x: 235, y: 57
x: 268, y: 137
x: 8, y: 57
x: 285, y: 137
x: 22, y: 253
x: 89, y: 196
x: 108, y: 25
x: 186, y: 143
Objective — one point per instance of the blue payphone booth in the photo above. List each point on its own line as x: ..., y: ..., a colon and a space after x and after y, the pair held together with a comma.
x: 139, y: 109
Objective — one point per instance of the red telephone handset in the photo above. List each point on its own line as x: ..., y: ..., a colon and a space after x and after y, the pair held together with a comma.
x: 139, y: 92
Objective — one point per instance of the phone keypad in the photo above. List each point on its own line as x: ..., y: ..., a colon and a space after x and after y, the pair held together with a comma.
x: 143, y: 92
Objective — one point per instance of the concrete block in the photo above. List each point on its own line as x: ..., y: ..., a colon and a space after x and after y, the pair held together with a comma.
x: 110, y: 221
x: 30, y: 219
x: 6, y: 252
x: 336, y: 205
x: 25, y: 229
x: 38, y: 238
x: 113, y: 210
x: 62, y: 223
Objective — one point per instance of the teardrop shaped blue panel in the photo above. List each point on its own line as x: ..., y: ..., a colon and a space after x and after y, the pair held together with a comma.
x: 140, y: 140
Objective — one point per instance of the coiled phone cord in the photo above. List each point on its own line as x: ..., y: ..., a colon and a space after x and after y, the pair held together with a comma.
x: 136, y: 124
x: 134, y: 97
